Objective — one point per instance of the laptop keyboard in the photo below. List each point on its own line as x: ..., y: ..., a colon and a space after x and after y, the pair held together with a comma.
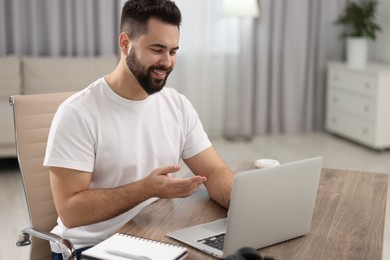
x: 214, y: 241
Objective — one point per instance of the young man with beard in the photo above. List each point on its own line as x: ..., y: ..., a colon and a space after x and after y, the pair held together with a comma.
x: 114, y: 147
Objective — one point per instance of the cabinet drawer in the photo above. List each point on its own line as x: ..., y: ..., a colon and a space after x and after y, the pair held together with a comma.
x: 351, y: 127
x: 362, y: 84
x: 352, y: 104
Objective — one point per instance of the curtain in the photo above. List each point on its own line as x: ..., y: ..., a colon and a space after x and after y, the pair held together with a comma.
x: 208, y: 40
x: 293, y: 40
x: 59, y: 27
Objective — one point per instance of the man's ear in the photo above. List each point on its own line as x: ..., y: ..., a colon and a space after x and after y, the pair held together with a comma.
x: 124, y: 43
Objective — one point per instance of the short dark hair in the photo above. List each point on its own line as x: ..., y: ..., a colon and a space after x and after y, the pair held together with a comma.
x: 136, y: 14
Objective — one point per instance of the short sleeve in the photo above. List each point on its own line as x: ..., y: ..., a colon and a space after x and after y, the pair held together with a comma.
x: 71, y: 142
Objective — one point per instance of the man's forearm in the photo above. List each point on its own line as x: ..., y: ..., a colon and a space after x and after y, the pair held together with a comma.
x: 96, y: 205
x: 219, y: 185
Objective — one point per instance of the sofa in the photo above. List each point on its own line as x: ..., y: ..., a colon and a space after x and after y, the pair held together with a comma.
x: 37, y: 75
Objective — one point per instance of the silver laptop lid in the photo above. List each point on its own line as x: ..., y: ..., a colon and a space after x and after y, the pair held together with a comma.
x: 272, y: 205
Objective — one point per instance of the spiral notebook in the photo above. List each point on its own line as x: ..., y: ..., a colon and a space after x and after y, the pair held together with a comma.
x: 123, y: 246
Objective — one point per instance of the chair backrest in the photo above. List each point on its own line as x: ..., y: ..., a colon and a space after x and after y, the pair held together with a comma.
x: 33, y: 115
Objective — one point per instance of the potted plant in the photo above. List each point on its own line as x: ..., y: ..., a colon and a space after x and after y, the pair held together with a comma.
x: 359, y: 21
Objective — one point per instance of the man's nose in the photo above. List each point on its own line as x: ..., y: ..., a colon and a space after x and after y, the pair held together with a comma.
x: 166, y: 60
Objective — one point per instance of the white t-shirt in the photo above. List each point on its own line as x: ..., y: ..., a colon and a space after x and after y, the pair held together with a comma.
x: 120, y: 141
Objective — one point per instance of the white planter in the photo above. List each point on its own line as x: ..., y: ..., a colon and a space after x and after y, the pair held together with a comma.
x: 357, y: 52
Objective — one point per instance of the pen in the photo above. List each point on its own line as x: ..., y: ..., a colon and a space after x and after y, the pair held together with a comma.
x: 128, y: 255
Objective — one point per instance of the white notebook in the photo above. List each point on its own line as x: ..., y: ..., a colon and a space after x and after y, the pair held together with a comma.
x: 122, y: 246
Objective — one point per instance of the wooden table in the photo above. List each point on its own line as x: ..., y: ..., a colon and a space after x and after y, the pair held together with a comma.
x: 348, y: 220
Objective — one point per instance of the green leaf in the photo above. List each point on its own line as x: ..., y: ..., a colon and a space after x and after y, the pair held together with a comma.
x: 359, y: 19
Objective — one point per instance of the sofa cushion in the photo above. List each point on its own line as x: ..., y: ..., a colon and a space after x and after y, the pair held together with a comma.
x: 60, y: 74
x: 10, y: 76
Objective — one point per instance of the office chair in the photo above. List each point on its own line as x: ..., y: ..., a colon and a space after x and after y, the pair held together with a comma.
x: 33, y: 115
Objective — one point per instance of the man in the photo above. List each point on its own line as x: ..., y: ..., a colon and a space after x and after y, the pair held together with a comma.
x: 114, y: 147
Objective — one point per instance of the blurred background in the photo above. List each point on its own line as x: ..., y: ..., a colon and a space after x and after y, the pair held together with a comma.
x: 245, y: 74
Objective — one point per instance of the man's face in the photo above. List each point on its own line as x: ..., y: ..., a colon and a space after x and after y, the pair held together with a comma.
x: 153, y: 56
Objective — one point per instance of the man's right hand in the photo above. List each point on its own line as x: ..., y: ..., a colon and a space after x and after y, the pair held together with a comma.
x: 160, y: 183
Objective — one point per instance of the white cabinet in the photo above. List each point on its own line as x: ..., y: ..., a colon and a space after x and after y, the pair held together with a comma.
x: 358, y: 103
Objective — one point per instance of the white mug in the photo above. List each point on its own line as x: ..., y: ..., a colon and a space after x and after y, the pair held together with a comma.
x: 266, y: 163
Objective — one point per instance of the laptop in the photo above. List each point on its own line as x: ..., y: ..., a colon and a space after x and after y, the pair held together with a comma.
x: 267, y: 206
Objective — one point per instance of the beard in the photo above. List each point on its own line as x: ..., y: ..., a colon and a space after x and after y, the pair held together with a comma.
x: 144, y: 76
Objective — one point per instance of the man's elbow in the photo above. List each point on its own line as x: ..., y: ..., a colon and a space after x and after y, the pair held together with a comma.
x: 68, y: 220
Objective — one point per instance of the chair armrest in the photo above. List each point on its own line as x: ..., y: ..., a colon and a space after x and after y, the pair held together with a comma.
x: 65, y: 245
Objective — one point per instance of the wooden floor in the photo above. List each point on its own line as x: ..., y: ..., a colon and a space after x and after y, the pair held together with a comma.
x: 337, y: 153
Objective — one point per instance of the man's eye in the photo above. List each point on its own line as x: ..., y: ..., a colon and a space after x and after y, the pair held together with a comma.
x: 156, y: 50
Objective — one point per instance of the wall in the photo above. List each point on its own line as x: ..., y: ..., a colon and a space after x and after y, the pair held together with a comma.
x: 379, y: 51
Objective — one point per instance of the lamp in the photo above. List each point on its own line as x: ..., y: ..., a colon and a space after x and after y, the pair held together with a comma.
x: 240, y: 8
